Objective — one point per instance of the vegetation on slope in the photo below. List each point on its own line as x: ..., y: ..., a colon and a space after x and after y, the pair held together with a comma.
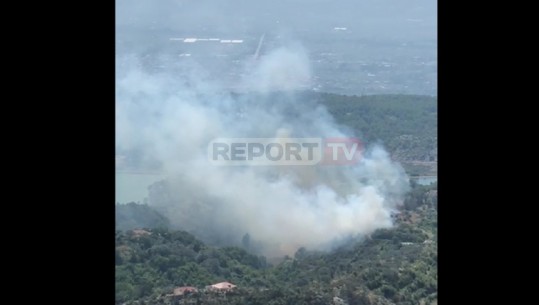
x: 392, y: 266
x: 405, y: 124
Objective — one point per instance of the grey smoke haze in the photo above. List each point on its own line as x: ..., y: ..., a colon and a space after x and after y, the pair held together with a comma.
x: 171, y: 115
x: 389, y: 46
x: 386, y: 18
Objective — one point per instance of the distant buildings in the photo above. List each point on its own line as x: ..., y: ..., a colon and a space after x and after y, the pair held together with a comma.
x: 339, y: 301
x: 180, y: 291
x: 219, y: 287
x: 194, y: 39
x: 140, y: 232
x: 222, y: 287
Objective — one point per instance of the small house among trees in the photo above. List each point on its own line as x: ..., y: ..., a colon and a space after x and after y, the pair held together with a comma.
x: 223, y: 287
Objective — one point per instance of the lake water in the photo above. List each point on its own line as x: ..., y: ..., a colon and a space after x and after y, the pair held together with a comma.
x: 425, y: 180
x: 133, y: 187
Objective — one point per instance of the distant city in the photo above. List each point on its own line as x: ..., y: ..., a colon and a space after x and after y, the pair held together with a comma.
x: 341, y: 62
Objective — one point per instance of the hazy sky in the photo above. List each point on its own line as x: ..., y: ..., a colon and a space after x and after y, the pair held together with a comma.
x: 403, y: 19
x: 396, y: 39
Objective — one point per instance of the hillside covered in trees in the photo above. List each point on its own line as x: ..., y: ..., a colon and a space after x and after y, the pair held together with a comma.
x: 392, y: 266
x: 406, y: 125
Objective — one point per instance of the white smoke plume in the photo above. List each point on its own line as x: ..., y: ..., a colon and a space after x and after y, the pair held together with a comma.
x: 172, y: 116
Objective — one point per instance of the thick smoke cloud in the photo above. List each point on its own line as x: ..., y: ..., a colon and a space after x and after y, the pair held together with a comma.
x: 171, y: 116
